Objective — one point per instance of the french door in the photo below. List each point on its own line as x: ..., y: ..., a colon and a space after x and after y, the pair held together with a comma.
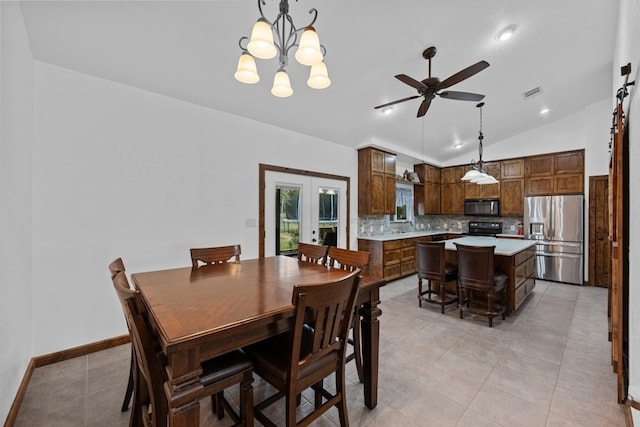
x: 301, y: 208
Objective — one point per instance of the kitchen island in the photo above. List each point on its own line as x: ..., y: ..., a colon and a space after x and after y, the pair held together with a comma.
x: 514, y: 257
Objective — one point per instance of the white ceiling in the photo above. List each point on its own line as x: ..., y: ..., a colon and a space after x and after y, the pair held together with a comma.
x: 189, y: 50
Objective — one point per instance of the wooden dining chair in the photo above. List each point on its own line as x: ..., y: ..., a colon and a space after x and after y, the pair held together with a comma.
x: 314, y: 349
x: 476, y: 275
x: 349, y: 260
x: 150, y: 406
x: 315, y: 254
x: 431, y: 266
x: 215, y: 255
x: 117, y: 266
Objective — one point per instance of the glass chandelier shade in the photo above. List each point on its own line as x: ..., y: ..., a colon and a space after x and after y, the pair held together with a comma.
x: 309, y: 52
x: 261, y: 42
x: 246, y: 71
x: 281, y: 85
x: 271, y: 39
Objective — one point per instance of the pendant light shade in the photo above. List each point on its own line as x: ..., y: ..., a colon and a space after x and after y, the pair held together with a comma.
x: 471, y: 174
x: 319, y: 77
x: 477, y: 174
x: 247, y: 71
x: 261, y: 43
x: 281, y: 85
x: 309, y: 52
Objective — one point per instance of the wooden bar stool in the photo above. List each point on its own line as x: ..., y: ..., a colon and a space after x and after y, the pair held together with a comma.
x: 433, y: 268
x: 476, y: 274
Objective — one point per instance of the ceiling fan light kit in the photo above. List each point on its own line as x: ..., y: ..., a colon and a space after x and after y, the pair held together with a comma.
x: 271, y: 39
x: 477, y: 174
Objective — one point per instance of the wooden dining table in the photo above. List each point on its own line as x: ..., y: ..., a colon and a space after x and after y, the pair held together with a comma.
x: 205, y: 312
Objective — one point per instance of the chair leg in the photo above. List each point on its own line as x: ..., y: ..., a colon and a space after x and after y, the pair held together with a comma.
x: 129, y: 392
x: 246, y: 399
x: 342, y: 405
x: 443, y: 291
x: 357, y: 346
x: 419, y: 292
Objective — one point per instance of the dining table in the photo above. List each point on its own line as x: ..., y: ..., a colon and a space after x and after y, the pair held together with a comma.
x: 201, y: 313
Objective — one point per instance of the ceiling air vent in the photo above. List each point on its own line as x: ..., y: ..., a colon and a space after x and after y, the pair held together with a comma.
x: 531, y: 93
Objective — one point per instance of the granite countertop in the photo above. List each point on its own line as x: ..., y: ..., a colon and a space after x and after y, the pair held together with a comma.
x: 407, y: 235
x: 506, y: 247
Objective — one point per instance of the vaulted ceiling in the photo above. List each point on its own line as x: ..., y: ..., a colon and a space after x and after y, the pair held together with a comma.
x: 189, y: 50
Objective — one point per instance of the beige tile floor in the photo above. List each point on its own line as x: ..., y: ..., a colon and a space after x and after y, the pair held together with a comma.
x: 546, y: 365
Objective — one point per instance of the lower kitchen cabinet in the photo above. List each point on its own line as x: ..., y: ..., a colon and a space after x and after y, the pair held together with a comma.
x: 391, y: 259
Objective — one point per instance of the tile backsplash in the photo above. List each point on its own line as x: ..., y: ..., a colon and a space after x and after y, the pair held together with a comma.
x: 374, y: 225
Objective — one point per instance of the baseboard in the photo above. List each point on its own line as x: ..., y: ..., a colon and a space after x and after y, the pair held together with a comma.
x: 58, y: 356
x: 82, y: 350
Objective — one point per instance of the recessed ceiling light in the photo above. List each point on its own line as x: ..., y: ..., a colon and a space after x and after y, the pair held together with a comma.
x: 506, y: 33
x: 458, y: 146
x: 544, y: 111
x: 386, y: 110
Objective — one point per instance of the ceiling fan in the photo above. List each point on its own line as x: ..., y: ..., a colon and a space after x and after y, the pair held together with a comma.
x: 432, y: 86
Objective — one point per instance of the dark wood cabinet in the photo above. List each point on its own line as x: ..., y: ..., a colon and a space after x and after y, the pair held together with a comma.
x: 512, y: 169
x: 558, y: 173
x: 429, y: 192
x: 376, y: 182
x: 512, y: 197
x: 452, y: 199
x: 390, y: 259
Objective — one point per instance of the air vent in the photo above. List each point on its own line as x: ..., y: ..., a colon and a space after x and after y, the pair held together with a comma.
x: 531, y: 93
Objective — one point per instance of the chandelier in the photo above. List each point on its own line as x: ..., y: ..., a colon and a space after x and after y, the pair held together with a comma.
x: 269, y: 39
x: 477, y: 174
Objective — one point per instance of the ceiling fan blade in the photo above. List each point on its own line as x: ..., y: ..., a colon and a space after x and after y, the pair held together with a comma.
x: 411, y: 81
x: 398, y: 101
x: 461, y: 96
x: 464, y: 74
x: 424, y: 107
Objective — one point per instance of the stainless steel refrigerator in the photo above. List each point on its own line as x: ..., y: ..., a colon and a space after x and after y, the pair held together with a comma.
x: 557, y: 223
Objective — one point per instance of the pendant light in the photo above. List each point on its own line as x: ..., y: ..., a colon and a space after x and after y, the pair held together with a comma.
x: 477, y: 174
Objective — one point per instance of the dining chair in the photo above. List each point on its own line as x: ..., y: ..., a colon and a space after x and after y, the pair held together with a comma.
x: 149, y: 401
x: 315, y: 254
x: 315, y: 348
x: 215, y: 255
x: 349, y: 260
x: 476, y: 275
x: 117, y: 266
x: 431, y: 266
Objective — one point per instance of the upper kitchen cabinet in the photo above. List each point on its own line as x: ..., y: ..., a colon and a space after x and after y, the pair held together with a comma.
x: 557, y: 173
x: 376, y: 182
x: 512, y: 187
x: 488, y: 191
x: 452, y: 190
x: 429, y: 192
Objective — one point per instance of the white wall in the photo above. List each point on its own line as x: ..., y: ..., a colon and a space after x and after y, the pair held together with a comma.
x: 628, y: 51
x: 118, y: 171
x: 16, y: 123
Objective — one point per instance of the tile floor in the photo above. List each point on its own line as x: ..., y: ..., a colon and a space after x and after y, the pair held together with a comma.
x: 546, y: 365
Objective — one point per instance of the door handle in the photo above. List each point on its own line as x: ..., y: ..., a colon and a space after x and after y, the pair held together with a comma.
x: 314, y: 240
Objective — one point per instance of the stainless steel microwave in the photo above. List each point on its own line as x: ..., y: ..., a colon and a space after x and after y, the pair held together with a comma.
x: 482, y: 207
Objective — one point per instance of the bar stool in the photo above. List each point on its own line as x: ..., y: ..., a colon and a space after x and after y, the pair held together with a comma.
x: 433, y: 268
x: 476, y: 274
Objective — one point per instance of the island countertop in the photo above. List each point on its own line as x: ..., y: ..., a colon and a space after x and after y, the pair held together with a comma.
x: 407, y: 235
x: 507, y: 247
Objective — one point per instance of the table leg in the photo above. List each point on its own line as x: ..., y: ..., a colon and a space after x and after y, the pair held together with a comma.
x: 184, y: 370
x: 371, y: 346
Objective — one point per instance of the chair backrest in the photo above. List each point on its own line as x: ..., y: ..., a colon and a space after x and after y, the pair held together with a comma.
x: 217, y: 255
x: 475, y: 266
x: 430, y: 260
x: 149, y: 366
x: 348, y: 260
x: 323, y: 310
x: 116, y: 267
x: 315, y: 254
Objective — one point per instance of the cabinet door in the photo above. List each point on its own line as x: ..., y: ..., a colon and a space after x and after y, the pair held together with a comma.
x: 513, y: 168
x: 377, y: 195
x: 431, y: 198
x: 452, y: 199
x: 539, y: 166
x: 418, y: 199
x: 540, y: 186
x: 569, y: 163
x: 472, y: 190
x: 389, y: 194
x: 568, y: 184
x: 390, y: 164
x: 377, y: 161
x: 512, y: 197
x: 452, y: 175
